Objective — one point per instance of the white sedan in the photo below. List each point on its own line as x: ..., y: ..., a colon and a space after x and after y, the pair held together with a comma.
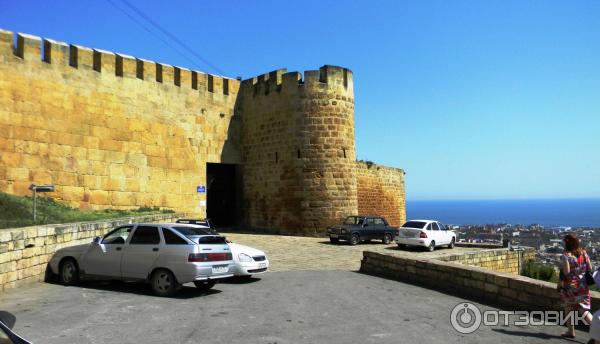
x: 426, y: 233
x: 247, y: 260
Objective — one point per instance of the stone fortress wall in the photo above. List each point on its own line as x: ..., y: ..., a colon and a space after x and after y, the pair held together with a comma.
x: 110, y: 130
x: 114, y: 131
x: 381, y: 191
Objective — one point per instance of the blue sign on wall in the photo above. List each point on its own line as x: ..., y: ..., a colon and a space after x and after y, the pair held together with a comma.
x: 201, y: 189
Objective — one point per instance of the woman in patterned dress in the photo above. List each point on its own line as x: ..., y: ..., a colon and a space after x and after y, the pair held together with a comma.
x: 574, y: 290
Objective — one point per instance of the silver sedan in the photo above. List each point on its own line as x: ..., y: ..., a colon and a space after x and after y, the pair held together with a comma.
x: 166, y: 255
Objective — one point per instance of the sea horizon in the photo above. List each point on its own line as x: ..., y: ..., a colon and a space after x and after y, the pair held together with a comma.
x: 547, y: 212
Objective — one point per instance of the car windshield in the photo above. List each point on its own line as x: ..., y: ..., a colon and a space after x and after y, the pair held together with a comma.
x: 192, y: 231
x: 415, y: 224
x: 353, y: 220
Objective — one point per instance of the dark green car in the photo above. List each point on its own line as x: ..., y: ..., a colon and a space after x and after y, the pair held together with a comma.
x: 358, y: 228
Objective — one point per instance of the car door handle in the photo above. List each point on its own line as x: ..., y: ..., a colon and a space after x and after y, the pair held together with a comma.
x: 155, y: 249
x: 118, y: 248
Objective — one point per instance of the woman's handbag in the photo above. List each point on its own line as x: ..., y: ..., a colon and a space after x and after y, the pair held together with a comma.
x: 589, y: 278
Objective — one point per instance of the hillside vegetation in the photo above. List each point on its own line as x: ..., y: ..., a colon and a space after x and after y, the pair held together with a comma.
x: 17, y: 211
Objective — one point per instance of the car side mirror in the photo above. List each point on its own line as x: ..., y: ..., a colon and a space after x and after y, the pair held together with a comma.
x: 366, y: 225
x: 97, y: 240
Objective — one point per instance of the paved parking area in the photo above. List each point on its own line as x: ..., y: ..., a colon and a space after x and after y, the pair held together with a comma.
x: 281, y: 307
x: 290, y: 253
x: 312, y: 294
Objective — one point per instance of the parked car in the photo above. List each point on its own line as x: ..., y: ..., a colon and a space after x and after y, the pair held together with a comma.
x: 426, y: 233
x: 165, y: 255
x: 356, y: 229
x: 247, y: 261
x: 7, y: 336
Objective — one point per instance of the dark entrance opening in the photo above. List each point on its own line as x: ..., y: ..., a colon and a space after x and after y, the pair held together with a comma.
x: 223, y: 191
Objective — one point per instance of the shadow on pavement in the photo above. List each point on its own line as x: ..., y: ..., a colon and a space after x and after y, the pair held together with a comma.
x: 344, y: 243
x: 239, y: 280
x: 416, y: 249
x: 186, y: 292
x: 539, y: 335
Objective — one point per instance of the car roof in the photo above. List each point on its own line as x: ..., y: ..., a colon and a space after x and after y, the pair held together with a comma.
x: 145, y: 224
x: 191, y: 225
x: 423, y: 220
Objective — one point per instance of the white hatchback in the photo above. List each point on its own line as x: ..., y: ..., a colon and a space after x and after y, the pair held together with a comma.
x: 166, y: 255
x: 425, y: 233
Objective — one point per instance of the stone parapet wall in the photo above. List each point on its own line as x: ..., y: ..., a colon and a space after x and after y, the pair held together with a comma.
x: 472, y: 282
x: 380, y: 191
x: 25, y: 252
x: 110, y: 130
x: 500, y: 260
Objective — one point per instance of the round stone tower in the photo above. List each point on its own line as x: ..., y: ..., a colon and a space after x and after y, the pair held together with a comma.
x: 298, y: 148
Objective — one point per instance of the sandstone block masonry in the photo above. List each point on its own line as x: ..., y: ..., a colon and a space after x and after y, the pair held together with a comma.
x: 298, y: 142
x: 114, y: 131
x: 500, y: 260
x: 109, y: 130
x: 380, y: 190
x: 499, y: 287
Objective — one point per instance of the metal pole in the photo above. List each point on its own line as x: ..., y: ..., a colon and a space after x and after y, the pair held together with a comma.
x: 34, y: 205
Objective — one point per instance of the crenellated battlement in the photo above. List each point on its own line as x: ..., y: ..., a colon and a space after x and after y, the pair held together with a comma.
x: 33, y: 49
x: 281, y: 80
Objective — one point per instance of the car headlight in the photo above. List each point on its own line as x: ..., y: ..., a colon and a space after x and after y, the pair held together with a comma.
x: 343, y: 231
x: 244, y: 257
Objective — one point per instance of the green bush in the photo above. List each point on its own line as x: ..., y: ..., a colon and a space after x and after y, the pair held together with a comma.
x: 539, y: 271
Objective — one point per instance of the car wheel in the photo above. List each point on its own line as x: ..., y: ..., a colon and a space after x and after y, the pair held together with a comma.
x: 402, y: 246
x: 334, y: 240
x: 431, y: 246
x: 387, y: 239
x: 163, y: 282
x: 354, y: 239
x: 69, y: 272
x: 204, y: 285
x: 451, y: 245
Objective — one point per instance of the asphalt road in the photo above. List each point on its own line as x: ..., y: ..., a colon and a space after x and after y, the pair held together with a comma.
x: 280, y: 307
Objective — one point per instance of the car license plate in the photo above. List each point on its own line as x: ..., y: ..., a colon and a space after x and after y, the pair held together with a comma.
x: 333, y: 235
x: 219, y: 269
x: 262, y: 265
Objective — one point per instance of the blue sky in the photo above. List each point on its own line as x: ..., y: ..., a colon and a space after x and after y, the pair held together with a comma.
x: 474, y: 99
